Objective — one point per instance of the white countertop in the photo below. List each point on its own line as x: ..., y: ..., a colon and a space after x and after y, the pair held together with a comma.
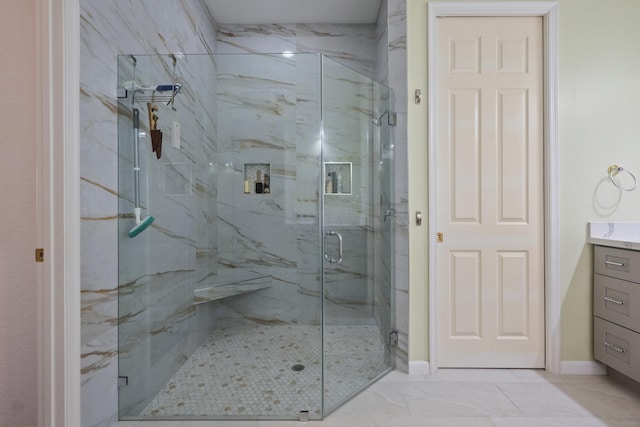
x: 624, y: 235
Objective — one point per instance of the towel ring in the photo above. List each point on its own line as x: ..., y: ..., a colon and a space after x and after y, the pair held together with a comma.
x: 614, y: 170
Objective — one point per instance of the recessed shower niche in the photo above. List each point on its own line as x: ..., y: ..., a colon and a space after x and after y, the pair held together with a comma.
x: 257, y: 178
x: 337, y: 178
x: 226, y: 295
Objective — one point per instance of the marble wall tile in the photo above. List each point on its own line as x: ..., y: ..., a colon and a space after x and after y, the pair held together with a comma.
x: 401, y: 299
x: 349, y: 44
x: 348, y: 111
x: 262, y: 38
x: 109, y: 29
x: 99, y: 367
x: 251, y: 232
x: 383, y: 302
x: 159, y: 269
x: 99, y: 294
x: 349, y: 282
x: 382, y: 44
x: 307, y: 188
x: 286, y: 302
x: 352, y: 45
x: 397, y: 37
x: 246, y: 99
x: 309, y: 259
x: 126, y: 26
x: 258, y: 126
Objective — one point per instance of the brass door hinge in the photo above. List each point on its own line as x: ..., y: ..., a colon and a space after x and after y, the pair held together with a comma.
x: 39, y: 254
x: 440, y: 237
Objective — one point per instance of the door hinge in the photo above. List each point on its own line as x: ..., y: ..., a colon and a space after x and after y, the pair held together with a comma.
x: 123, y: 381
x: 39, y: 254
x: 393, y: 338
x: 392, y: 120
x: 440, y: 237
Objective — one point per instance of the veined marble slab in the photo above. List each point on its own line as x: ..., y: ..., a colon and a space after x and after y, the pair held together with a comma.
x: 225, y: 290
x: 615, y: 234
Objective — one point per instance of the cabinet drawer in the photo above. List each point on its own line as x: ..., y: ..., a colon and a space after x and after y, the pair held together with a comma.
x: 620, y: 263
x: 617, y: 347
x: 617, y: 301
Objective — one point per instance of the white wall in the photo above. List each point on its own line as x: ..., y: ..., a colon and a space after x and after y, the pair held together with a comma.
x: 18, y: 327
x: 599, y: 126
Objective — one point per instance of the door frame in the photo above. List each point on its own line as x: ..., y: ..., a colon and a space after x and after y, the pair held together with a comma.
x: 549, y: 11
x: 58, y: 211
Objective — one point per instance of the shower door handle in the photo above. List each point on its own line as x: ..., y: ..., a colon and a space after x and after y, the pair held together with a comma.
x: 326, y: 255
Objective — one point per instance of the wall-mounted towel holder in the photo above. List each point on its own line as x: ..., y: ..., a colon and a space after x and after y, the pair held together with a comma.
x: 615, y: 170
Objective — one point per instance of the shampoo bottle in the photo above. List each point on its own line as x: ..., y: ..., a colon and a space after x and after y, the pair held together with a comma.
x: 259, y: 185
x: 266, y: 189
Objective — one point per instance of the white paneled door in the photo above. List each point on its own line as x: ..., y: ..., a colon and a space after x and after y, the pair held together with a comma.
x: 490, y: 192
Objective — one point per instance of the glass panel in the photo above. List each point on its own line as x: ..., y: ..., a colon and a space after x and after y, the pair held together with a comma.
x: 357, y: 157
x: 220, y: 296
x: 384, y: 217
x: 221, y: 276
x: 159, y: 268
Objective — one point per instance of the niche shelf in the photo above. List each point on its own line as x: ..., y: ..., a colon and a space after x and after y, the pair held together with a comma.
x: 254, y: 174
x: 337, y: 178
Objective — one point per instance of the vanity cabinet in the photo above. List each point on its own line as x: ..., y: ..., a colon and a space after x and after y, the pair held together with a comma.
x: 616, y: 309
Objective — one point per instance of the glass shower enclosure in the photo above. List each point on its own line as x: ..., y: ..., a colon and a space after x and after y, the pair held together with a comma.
x: 255, y: 236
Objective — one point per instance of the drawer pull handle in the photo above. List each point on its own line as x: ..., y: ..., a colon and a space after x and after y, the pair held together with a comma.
x: 616, y: 264
x: 614, y: 347
x: 615, y: 301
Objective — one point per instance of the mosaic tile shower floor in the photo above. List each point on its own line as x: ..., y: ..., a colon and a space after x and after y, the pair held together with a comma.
x: 247, y: 371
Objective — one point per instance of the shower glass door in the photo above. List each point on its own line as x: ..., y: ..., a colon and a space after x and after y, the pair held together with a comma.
x: 357, y: 217
x: 220, y: 306
x: 262, y: 289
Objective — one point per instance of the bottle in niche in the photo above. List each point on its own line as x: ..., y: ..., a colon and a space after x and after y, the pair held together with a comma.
x: 334, y: 182
x: 267, y: 184
x: 328, y: 187
x: 259, y: 184
x: 338, y: 182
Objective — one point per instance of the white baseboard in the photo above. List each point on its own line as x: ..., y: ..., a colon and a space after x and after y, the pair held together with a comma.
x: 567, y: 367
x: 418, y: 367
x: 580, y: 367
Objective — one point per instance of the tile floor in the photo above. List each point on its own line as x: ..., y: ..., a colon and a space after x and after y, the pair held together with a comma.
x: 470, y: 398
x: 247, y: 369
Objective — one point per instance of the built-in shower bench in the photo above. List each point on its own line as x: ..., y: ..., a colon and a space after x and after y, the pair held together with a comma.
x: 231, y: 286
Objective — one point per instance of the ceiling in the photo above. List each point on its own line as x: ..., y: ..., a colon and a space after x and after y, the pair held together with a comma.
x: 294, y: 11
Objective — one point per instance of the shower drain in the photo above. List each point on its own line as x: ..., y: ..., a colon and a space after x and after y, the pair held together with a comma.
x: 297, y: 368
